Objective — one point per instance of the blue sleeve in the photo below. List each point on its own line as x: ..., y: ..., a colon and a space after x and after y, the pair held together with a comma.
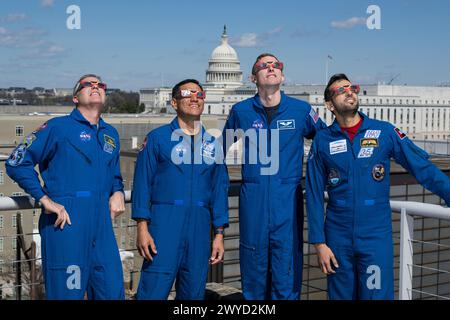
x: 36, y: 148
x: 220, y: 196
x: 313, y: 124
x: 416, y: 161
x: 315, y: 186
x: 144, y: 173
x: 118, y: 181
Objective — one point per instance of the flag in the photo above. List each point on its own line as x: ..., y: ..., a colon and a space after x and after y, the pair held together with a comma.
x: 330, y: 57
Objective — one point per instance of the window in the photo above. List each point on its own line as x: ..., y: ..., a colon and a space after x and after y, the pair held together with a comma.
x: 16, y: 194
x: 1, y: 222
x: 2, y: 177
x: 1, y: 244
x: 1, y: 266
x: 123, y: 222
x: 19, y: 131
x: 14, y: 243
x: 14, y: 221
x: 123, y: 242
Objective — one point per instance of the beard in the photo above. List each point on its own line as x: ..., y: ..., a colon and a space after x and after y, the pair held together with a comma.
x: 347, y: 110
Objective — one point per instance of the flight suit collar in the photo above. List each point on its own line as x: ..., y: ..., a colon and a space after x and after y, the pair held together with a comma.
x: 258, y: 104
x: 76, y: 114
x: 364, y: 125
x: 174, y: 126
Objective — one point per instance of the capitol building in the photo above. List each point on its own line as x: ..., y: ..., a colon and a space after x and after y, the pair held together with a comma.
x: 421, y: 111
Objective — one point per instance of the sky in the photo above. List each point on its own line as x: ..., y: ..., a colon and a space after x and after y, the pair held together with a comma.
x: 138, y: 44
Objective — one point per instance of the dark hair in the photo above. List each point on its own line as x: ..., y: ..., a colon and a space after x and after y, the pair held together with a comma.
x: 176, y: 88
x: 77, y: 85
x: 262, y: 55
x: 339, y: 76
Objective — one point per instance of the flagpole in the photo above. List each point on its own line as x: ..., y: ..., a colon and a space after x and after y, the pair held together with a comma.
x: 326, y: 71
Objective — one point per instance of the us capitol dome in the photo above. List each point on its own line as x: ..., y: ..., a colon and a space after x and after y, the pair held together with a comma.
x: 224, y: 68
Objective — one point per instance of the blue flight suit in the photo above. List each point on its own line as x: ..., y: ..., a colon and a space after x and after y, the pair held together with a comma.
x: 180, y: 190
x: 271, y: 203
x: 79, y: 164
x: 357, y: 227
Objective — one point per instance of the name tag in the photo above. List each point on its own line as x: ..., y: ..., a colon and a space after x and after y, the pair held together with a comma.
x: 286, y: 124
x: 338, y: 146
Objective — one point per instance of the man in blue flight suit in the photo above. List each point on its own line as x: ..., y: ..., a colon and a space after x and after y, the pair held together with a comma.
x: 351, y: 160
x: 78, y: 158
x: 271, y: 199
x: 180, y: 188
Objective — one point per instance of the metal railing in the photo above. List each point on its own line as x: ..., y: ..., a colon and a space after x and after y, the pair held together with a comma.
x: 408, y: 211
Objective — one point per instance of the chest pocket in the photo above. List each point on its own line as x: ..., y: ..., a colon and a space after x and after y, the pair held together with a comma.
x: 76, y: 152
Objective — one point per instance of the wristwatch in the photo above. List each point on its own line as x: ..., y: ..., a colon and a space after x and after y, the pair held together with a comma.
x: 219, y: 231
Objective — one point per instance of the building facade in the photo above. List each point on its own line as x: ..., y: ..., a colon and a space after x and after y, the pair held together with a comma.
x: 423, y: 112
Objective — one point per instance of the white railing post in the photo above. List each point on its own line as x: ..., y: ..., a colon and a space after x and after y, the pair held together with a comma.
x: 406, y: 256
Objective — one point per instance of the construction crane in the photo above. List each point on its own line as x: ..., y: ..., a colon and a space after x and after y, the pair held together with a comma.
x: 393, y: 78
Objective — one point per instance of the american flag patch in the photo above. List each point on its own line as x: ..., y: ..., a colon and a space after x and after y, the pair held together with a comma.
x: 314, y: 115
x: 400, y: 133
x: 144, y: 144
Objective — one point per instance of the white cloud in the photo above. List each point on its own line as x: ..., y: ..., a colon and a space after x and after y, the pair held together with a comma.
x: 247, y: 40
x: 45, y: 51
x: 47, y: 3
x: 15, y: 17
x: 275, y: 31
x: 349, y: 23
x: 55, y: 49
x: 29, y: 37
x: 254, y: 40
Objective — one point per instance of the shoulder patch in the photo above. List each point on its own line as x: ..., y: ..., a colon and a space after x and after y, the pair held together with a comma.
x: 144, y: 144
x: 41, y: 127
x: 17, y: 155
x: 400, y: 133
x: 28, y: 140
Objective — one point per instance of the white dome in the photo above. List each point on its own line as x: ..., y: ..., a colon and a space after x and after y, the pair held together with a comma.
x: 224, y: 51
x: 224, y: 67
